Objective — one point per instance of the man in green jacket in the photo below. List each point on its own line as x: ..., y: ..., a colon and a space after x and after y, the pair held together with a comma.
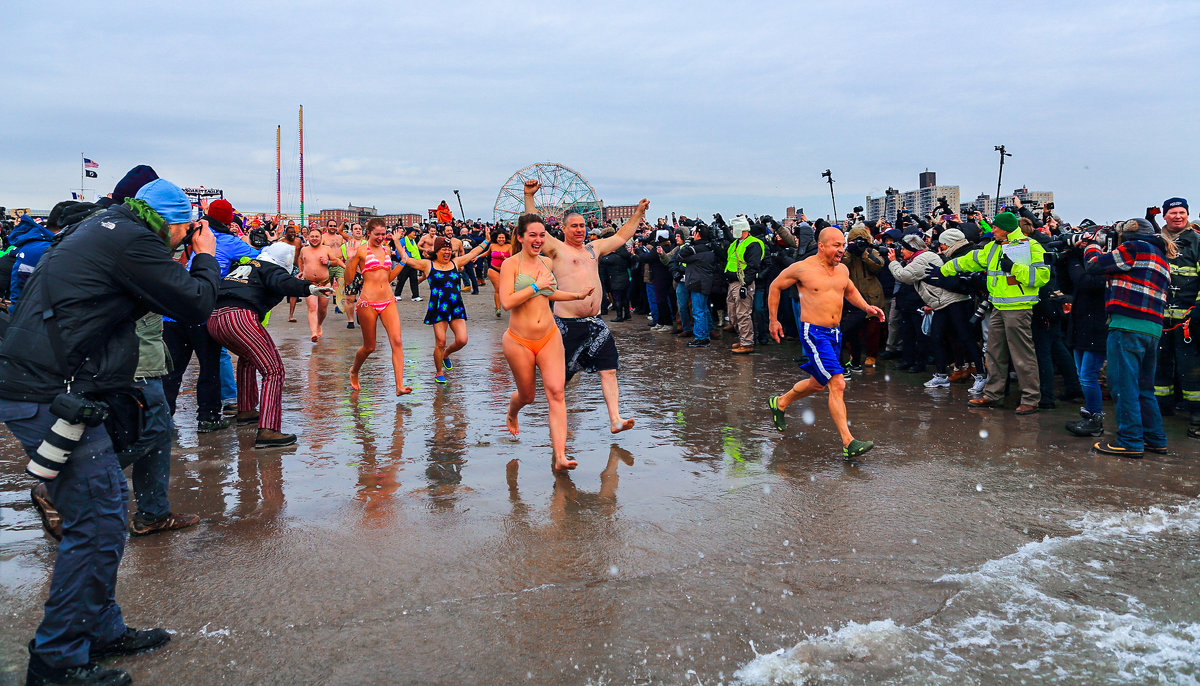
x: 1015, y: 271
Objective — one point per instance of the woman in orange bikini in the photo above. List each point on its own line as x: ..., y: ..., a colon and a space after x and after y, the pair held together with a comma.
x: 375, y: 302
x: 532, y: 341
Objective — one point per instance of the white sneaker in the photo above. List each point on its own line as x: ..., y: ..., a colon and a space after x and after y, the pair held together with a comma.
x: 417, y: 299
x: 938, y: 381
x: 980, y: 380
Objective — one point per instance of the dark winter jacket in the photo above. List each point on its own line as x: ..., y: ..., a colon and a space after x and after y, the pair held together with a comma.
x: 615, y: 267
x: 99, y: 277
x: 31, y: 240
x: 258, y: 286
x: 1087, y: 326
x: 701, y: 264
x: 658, y: 271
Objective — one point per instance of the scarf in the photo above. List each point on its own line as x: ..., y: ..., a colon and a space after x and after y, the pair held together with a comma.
x: 151, y: 218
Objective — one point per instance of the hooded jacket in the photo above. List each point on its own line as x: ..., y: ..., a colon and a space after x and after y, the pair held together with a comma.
x: 914, y: 273
x: 31, y: 240
x: 259, y: 285
x: 99, y: 277
x: 863, y: 268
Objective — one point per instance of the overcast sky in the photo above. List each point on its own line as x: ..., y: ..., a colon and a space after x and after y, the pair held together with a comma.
x: 699, y: 106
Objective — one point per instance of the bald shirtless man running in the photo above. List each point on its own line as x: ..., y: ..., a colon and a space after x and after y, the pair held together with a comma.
x: 824, y: 282
x: 587, y: 341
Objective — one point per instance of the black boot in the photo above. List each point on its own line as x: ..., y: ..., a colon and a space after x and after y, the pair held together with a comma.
x: 40, y: 674
x: 1092, y: 424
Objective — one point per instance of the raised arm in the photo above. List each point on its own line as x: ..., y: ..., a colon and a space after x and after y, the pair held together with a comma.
x: 407, y: 260
x: 603, y: 246
x: 475, y: 252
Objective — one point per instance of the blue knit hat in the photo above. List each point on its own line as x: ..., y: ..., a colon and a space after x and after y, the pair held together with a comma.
x: 1170, y: 203
x: 168, y: 200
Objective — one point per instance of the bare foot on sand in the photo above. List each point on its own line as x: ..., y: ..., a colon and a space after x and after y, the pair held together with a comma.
x: 623, y: 425
x: 404, y: 390
x: 354, y: 381
x: 562, y: 464
x: 316, y: 337
x: 510, y: 421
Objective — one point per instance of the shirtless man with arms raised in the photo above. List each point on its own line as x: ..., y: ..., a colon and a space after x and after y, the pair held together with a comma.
x: 824, y: 283
x: 316, y: 262
x: 588, y: 343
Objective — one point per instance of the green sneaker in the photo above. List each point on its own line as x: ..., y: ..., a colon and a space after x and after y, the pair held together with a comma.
x: 857, y: 448
x: 777, y: 415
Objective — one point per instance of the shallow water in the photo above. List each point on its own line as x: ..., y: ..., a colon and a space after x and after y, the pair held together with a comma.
x: 391, y: 546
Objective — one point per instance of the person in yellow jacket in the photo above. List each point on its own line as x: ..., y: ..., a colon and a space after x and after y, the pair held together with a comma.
x: 1016, y: 269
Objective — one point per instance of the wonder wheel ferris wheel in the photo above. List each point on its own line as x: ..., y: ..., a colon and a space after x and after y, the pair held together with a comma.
x: 563, y: 189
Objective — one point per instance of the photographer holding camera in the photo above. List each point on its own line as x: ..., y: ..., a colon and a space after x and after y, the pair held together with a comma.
x: 71, y: 344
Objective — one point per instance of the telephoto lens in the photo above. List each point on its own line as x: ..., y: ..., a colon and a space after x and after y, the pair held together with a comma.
x: 74, y: 414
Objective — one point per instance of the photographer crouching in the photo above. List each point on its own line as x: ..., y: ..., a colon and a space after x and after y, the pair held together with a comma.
x: 71, y: 346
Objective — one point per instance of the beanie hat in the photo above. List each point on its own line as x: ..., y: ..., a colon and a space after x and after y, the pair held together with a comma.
x: 951, y: 236
x: 894, y: 234
x: 440, y: 243
x: 1006, y: 222
x: 132, y: 182
x: 54, y: 220
x: 1138, y: 226
x: 221, y: 210
x: 914, y: 241
x: 1170, y: 203
x: 738, y: 225
x: 168, y: 200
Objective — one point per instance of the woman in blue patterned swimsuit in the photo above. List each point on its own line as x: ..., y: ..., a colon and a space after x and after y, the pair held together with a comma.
x: 446, y: 309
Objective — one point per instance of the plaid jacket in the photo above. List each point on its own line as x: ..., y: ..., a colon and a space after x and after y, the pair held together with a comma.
x: 1138, y: 277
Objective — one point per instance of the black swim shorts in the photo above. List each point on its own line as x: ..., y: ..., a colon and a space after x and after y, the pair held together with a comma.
x: 588, y: 343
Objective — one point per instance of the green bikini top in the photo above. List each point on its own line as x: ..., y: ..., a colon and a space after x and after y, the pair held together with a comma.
x: 525, y: 281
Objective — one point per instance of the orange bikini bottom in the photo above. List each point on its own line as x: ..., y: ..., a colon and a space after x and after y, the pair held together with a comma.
x: 535, y: 347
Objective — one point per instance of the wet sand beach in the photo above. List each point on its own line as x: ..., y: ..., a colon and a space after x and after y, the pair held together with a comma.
x: 394, y: 544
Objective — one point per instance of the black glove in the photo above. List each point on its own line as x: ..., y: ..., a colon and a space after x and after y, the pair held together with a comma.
x: 742, y: 293
x: 1006, y: 264
x: 857, y: 248
x: 934, y: 272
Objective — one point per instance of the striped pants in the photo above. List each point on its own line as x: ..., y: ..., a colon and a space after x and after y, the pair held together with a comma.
x: 239, y: 330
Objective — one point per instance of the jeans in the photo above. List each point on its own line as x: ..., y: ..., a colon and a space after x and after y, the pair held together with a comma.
x: 151, y: 455
x: 760, y: 315
x: 1088, y: 365
x: 181, y: 341
x: 662, y: 295
x: 652, y: 302
x: 90, y: 494
x: 228, y: 380
x: 1053, y: 356
x: 1132, y: 359
x: 684, y: 299
x: 700, y: 325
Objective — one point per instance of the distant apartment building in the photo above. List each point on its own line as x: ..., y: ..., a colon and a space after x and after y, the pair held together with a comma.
x: 986, y: 204
x: 619, y: 213
x: 923, y: 200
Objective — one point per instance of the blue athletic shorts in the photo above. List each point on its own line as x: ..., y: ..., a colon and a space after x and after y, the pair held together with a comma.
x: 823, y: 348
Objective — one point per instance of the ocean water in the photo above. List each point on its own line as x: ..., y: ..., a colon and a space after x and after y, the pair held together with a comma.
x: 1116, y: 603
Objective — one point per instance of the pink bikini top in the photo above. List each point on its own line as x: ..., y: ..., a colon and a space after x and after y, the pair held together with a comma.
x: 371, y: 263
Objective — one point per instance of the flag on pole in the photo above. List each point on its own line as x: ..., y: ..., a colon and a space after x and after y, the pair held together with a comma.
x: 76, y: 196
x: 90, y: 174
x: 88, y: 164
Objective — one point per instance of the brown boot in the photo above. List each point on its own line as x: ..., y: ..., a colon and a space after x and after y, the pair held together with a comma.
x: 247, y: 417
x: 270, y: 438
x: 960, y: 375
x: 172, y: 522
x: 742, y: 349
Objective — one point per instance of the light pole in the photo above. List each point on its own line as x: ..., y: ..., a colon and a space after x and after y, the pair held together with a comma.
x: 828, y: 175
x: 461, y: 213
x: 1000, y: 149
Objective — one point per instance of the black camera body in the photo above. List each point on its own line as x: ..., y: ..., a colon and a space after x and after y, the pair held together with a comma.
x: 76, y: 409
x: 980, y: 312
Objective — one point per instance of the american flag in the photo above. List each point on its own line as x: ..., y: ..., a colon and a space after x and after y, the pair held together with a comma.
x: 88, y: 164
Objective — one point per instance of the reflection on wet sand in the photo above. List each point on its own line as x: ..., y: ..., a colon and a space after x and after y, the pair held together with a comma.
x: 377, y: 470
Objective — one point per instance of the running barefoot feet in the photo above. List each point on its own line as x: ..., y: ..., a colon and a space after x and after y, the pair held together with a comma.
x: 621, y: 425
x: 291, y: 319
x: 404, y: 390
x: 560, y: 464
x: 354, y: 381
x: 510, y: 421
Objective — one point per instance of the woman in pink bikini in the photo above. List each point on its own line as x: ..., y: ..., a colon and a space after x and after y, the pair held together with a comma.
x: 375, y: 302
x: 501, y: 251
x: 532, y: 342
